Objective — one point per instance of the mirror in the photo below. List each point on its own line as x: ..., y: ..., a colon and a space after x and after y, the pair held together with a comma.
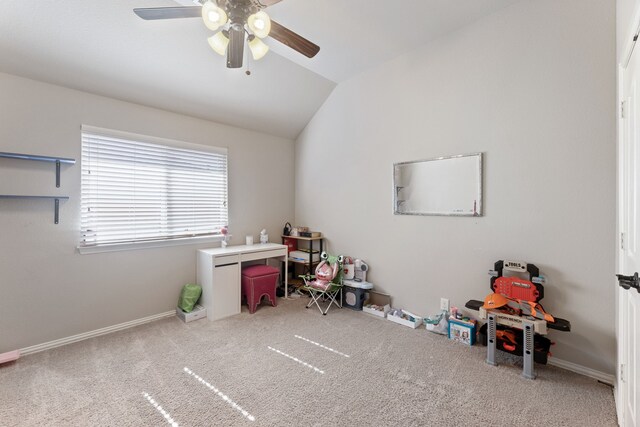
x: 441, y: 186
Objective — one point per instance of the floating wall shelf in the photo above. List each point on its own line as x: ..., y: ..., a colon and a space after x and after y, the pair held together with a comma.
x: 56, y: 199
x: 57, y: 160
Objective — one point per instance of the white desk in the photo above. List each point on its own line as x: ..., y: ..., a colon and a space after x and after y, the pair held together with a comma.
x: 218, y: 271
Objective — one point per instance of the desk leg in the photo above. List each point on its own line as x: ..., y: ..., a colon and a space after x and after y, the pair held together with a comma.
x: 286, y: 276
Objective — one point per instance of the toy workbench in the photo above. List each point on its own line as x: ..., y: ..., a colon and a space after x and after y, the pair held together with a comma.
x: 516, y: 322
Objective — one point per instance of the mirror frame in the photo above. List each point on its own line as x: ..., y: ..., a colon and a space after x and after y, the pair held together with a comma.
x: 480, y: 186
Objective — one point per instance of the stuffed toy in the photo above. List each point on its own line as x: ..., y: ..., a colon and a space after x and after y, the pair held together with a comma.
x: 328, y: 272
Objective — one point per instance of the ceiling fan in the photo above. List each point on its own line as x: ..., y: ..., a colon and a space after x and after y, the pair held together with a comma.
x: 235, y: 19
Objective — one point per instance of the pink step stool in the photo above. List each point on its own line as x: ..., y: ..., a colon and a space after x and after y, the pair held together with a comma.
x: 257, y: 281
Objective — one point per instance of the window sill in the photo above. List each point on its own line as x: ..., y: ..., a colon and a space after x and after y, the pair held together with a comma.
x: 117, y: 247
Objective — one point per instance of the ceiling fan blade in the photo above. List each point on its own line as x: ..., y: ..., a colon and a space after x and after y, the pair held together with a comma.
x: 267, y: 3
x: 235, y: 51
x: 293, y: 40
x: 153, y: 13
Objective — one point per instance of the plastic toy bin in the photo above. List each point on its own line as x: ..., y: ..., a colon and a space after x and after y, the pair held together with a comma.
x: 354, y: 293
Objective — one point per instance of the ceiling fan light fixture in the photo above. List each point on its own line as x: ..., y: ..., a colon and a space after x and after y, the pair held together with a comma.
x: 258, y: 48
x: 219, y: 43
x: 260, y: 24
x: 213, y: 16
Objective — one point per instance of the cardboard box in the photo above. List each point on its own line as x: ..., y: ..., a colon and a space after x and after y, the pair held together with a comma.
x: 377, y: 298
x: 405, y: 322
x: 198, y: 313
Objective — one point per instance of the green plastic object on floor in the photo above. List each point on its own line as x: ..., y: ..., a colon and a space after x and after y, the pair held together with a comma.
x: 188, y: 297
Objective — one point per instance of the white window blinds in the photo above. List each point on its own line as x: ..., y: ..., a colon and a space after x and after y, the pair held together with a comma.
x: 136, y: 191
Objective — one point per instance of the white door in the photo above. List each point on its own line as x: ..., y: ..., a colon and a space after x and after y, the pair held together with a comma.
x: 629, y: 300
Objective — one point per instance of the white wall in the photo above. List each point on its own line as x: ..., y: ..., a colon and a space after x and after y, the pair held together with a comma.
x: 626, y: 11
x: 533, y: 87
x: 49, y: 291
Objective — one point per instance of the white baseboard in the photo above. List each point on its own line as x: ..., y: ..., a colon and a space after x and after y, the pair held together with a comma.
x: 583, y: 370
x: 91, y: 334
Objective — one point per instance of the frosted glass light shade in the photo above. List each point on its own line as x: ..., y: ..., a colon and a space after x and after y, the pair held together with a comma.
x: 213, y: 16
x: 219, y: 43
x: 258, y: 48
x: 260, y: 24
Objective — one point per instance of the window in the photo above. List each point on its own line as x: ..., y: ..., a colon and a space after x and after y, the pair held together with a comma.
x: 137, y: 190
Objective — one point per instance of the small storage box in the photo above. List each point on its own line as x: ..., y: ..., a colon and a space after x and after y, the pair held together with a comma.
x: 302, y: 256
x: 461, y: 331
x: 354, y: 293
x: 378, y: 299
x: 406, y: 322
x: 198, y: 313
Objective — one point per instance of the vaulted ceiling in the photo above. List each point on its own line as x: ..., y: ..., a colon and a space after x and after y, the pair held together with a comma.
x: 102, y: 47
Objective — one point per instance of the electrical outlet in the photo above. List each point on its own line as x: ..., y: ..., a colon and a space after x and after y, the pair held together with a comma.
x: 444, y: 304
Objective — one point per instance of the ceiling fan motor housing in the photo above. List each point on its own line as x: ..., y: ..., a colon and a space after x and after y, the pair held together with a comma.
x: 239, y: 10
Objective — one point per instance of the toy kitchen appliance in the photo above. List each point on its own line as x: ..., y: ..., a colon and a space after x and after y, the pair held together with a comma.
x: 361, y: 268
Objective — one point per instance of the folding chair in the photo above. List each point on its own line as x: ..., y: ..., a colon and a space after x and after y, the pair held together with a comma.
x: 326, y: 284
x: 318, y: 295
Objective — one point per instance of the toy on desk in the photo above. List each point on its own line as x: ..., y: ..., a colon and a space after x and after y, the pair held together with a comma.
x: 225, y: 236
x: 264, y: 237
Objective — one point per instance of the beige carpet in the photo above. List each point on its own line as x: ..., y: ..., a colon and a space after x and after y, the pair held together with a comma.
x: 393, y: 376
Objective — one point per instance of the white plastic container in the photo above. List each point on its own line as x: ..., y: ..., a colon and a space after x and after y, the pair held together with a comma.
x: 198, y: 312
x: 405, y: 322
